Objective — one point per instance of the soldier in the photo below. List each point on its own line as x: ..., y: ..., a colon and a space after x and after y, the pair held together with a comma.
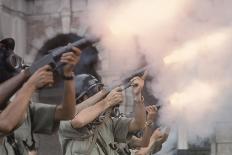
x: 93, y: 130
x: 22, y: 117
x: 155, y: 143
x: 150, y: 142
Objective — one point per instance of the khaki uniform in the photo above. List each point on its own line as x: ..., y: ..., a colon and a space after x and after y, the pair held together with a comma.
x: 40, y: 119
x: 6, y: 148
x: 79, y: 141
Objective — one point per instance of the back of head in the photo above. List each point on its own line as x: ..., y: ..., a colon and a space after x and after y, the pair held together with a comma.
x: 6, y: 49
x: 86, y: 86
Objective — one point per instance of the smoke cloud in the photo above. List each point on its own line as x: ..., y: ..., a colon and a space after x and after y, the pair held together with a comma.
x: 189, y: 46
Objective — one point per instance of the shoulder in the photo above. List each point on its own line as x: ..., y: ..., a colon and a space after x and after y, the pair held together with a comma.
x: 66, y: 125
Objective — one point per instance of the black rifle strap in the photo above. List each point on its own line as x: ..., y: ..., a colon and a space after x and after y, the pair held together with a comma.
x: 12, y: 141
x: 101, y: 146
x: 32, y: 146
x: 95, y: 135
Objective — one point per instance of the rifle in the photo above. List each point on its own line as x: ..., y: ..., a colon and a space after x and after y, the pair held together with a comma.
x: 54, y: 55
x: 9, y: 87
x: 139, y: 72
x: 125, y: 82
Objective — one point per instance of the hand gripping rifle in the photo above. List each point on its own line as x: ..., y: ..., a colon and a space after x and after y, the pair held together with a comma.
x: 124, y: 83
x: 11, y: 86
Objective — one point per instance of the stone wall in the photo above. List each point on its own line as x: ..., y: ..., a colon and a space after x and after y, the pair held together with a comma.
x: 13, y: 23
x: 33, y: 22
x: 222, y: 144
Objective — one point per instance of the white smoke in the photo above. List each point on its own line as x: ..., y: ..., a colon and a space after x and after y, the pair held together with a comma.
x: 189, y: 46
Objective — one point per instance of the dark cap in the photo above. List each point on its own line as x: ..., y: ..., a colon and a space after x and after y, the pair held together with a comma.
x: 9, y: 43
x: 86, y: 84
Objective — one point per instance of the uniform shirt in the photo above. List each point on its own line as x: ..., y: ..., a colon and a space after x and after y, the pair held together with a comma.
x: 40, y: 119
x: 78, y: 141
x: 5, y: 147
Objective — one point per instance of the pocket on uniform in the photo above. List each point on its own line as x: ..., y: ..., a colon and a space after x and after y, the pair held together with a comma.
x: 80, y: 147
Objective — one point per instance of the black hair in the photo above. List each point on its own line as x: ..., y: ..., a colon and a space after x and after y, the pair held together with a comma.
x: 89, y: 56
x: 6, y: 72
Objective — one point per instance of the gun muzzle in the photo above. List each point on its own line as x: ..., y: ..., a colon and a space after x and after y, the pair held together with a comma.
x: 158, y: 107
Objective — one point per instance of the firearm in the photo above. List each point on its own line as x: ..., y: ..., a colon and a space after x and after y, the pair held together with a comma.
x: 11, y: 86
x: 124, y: 83
x: 54, y: 55
x: 127, y: 80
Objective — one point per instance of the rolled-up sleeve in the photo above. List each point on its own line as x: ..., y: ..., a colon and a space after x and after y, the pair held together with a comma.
x: 120, y: 128
x: 43, y: 118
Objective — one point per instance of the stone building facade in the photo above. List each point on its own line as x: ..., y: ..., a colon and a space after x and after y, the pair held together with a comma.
x: 32, y: 22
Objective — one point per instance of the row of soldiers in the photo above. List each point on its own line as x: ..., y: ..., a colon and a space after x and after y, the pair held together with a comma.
x: 85, y: 119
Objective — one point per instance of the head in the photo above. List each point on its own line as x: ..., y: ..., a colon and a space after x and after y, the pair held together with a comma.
x: 86, y: 86
x: 8, y: 60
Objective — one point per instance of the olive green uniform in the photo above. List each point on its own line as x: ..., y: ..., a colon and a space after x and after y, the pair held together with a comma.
x: 40, y: 119
x: 93, y: 142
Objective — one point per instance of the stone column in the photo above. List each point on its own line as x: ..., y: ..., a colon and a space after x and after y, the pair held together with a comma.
x: 223, y: 144
x: 19, y: 33
x: 182, y: 138
x: 13, y: 24
x: 66, y: 15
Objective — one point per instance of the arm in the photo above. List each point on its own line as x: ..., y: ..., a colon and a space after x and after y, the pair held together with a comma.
x: 138, y: 121
x: 15, y: 112
x: 147, y: 133
x: 155, y: 143
x: 91, y: 101
x: 157, y: 139
x: 66, y: 110
x: 11, y: 86
x: 151, y: 116
x: 146, y: 136
x: 88, y: 114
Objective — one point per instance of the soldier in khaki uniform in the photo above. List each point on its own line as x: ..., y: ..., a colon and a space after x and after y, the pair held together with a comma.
x: 89, y: 133
x: 21, y: 118
x: 155, y: 144
x: 150, y: 142
x: 40, y: 120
